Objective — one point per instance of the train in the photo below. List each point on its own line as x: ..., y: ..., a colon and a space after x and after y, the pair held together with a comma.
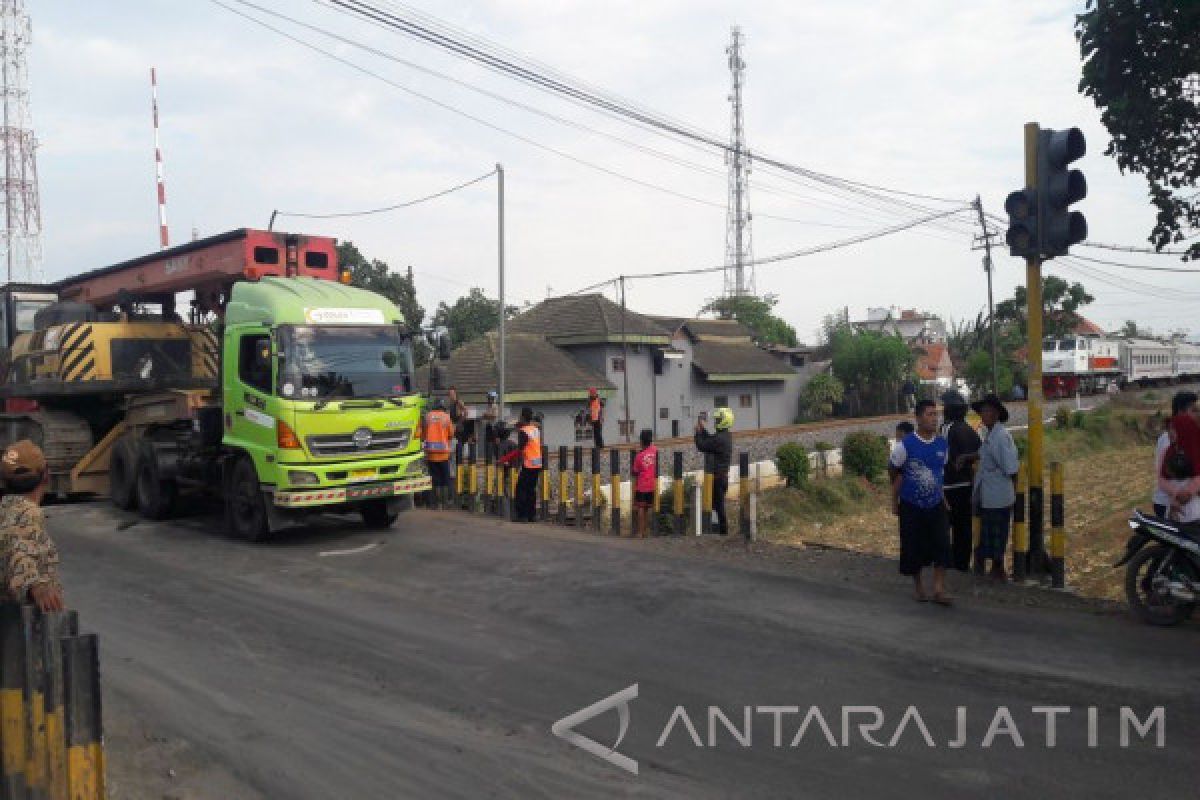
x: 1090, y: 364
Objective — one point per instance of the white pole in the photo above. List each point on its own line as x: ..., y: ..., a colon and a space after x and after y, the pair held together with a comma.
x: 500, y: 260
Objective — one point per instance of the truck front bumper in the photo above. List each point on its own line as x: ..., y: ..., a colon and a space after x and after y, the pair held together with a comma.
x: 336, y: 495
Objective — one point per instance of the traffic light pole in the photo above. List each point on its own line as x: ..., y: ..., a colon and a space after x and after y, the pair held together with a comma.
x: 1033, y: 292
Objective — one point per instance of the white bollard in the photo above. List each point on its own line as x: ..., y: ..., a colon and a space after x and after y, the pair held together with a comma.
x: 697, y: 504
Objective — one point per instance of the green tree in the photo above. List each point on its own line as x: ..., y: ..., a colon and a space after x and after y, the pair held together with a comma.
x: 1060, y: 304
x: 977, y: 372
x: 470, y: 317
x: 821, y: 394
x: 1141, y: 59
x: 756, y: 314
x: 375, y: 275
x: 1131, y: 330
x: 967, y: 336
x: 871, y: 366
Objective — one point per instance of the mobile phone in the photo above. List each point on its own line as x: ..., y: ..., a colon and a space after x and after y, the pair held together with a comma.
x: 703, y: 416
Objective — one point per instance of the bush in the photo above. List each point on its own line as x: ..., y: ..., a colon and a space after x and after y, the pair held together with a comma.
x: 1077, y: 419
x: 1062, y: 418
x: 792, y: 461
x: 865, y: 454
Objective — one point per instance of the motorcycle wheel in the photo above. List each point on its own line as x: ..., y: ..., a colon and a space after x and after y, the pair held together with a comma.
x: 1154, y: 604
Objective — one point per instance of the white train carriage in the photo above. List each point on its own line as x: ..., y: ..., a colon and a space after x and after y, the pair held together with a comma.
x: 1083, y: 364
x: 1187, y: 361
x: 1146, y: 362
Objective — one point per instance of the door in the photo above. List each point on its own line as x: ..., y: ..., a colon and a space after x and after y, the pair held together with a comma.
x: 248, y: 384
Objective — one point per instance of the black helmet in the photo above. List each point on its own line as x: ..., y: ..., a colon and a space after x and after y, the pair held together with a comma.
x: 953, y: 399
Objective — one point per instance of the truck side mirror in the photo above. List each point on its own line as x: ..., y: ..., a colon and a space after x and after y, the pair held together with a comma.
x: 444, y: 347
x: 437, y: 379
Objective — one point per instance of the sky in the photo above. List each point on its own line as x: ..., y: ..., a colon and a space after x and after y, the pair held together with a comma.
x: 928, y: 96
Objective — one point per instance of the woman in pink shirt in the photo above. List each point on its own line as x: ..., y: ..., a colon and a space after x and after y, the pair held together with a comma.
x: 645, y: 477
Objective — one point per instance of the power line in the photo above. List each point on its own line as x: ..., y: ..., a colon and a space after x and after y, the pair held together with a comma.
x: 1136, y: 266
x: 486, y: 56
x: 381, y: 210
x: 807, y: 251
x: 1130, y: 249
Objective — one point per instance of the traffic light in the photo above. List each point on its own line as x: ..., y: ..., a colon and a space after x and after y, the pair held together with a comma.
x: 1022, y: 235
x: 1057, y: 188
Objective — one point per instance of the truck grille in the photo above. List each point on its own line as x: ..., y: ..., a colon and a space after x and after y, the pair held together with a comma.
x: 360, y: 442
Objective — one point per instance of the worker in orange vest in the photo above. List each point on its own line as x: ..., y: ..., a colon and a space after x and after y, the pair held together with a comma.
x: 529, y: 454
x: 595, y: 410
x: 437, y: 433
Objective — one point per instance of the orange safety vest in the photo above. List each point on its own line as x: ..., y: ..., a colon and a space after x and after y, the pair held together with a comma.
x: 594, y: 409
x: 438, y: 432
x: 531, y: 456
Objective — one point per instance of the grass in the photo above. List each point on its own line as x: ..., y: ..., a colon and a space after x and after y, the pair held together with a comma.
x: 1108, y: 471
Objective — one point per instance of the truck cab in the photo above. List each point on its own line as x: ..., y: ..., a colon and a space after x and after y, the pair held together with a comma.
x: 317, y: 404
x: 19, y: 304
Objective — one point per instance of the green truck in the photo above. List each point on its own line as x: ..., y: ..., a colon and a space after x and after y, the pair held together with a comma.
x: 286, y: 393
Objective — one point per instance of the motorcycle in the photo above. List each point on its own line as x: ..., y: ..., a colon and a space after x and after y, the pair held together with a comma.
x: 1162, y: 569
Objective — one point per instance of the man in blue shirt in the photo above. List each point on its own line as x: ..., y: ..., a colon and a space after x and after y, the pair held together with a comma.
x: 918, y: 463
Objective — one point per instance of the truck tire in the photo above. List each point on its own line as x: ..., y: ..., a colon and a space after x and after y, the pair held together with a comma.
x: 378, y: 514
x: 122, y: 474
x: 155, y: 496
x: 245, y: 506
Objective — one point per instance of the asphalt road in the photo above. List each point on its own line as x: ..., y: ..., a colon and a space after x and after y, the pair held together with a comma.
x: 434, y: 663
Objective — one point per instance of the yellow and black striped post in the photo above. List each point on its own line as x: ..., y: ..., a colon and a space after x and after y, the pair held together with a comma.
x: 473, y: 480
x: 578, y: 465
x: 34, y: 632
x: 677, y: 493
x: 1058, y: 531
x: 744, y: 494
x: 489, y: 478
x: 82, y: 718
x: 563, y: 484
x: 709, y: 477
x: 514, y: 472
x: 460, y: 474
x: 595, y: 504
x: 1020, y: 567
x: 13, y: 713
x: 544, y: 484
x: 56, y: 626
x: 614, y: 499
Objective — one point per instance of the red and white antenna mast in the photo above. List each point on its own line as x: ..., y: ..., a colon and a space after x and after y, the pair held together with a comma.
x: 158, y: 165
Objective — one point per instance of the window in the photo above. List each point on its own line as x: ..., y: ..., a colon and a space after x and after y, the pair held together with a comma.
x: 664, y: 413
x: 721, y: 400
x: 626, y: 427
x: 266, y: 255
x: 635, y: 348
x: 746, y: 400
x: 314, y: 260
x: 254, y: 361
x: 618, y: 364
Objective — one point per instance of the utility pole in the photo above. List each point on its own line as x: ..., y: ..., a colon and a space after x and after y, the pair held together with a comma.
x: 738, y: 247
x: 1033, y: 315
x: 985, y: 238
x: 625, y: 361
x: 500, y: 261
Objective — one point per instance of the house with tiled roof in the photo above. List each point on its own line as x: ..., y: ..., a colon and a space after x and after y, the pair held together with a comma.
x: 667, y: 369
x: 933, y: 364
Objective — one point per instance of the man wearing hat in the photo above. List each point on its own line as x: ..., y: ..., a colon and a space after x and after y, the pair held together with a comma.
x: 963, y: 441
x: 994, y: 490
x: 29, y: 557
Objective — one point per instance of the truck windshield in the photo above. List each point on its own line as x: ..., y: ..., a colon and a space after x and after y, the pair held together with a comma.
x: 344, y: 361
x: 25, y: 311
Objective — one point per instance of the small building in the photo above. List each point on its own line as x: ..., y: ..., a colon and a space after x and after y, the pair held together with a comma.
x: 656, y: 372
x: 914, y: 327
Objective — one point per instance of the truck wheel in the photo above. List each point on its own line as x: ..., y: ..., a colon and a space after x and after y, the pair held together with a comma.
x: 378, y: 514
x: 245, y: 507
x: 155, y: 496
x: 122, y: 475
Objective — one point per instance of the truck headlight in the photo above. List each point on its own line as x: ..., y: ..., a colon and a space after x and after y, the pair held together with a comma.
x: 299, y: 477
